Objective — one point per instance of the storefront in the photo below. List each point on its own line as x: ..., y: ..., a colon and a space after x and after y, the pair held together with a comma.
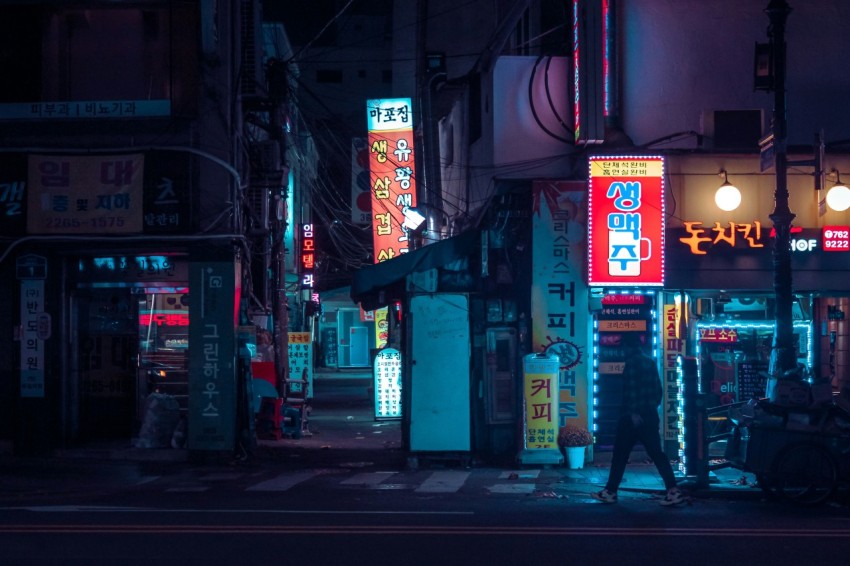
x: 115, y: 336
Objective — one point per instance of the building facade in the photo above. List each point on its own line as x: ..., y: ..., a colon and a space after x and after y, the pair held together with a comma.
x: 144, y: 159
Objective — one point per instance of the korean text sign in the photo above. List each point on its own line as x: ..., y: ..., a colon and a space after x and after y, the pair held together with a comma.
x: 626, y: 221
x: 85, y: 194
x: 540, y: 394
x: 391, y: 174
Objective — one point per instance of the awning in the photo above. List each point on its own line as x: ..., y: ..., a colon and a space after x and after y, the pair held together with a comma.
x: 389, y: 276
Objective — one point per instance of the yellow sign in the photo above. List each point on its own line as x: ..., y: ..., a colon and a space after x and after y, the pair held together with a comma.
x: 541, y: 407
x: 626, y: 168
x: 382, y: 327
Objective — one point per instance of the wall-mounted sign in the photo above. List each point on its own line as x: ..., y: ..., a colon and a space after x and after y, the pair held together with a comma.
x: 626, y: 221
x: 559, y: 293
x: 701, y: 239
x: 718, y: 334
x: 308, y: 258
x: 391, y: 174
x: 85, y: 194
x: 212, y: 370
x: 836, y: 238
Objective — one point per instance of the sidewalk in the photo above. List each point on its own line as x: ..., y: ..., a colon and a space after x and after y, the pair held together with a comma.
x: 341, y: 430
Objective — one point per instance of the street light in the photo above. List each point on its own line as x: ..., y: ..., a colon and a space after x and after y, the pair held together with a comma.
x: 838, y: 197
x: 727, y: 197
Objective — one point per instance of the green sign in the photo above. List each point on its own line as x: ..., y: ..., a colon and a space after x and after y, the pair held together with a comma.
x: 212, y: 356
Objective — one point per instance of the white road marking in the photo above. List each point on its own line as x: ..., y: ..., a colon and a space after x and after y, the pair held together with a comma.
x: 368, y: 478
x: 283, y: 481
x: 443, y: 482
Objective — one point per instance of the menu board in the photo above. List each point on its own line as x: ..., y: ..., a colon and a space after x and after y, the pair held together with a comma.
x: 751, y: 380
x: 387, y: 377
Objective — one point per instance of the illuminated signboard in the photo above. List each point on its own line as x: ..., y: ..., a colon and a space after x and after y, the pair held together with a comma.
x: 702, y: 238
x: 541, y: 402
x: 163, y: 318
x: 626, y: 221
x: 391, y: 174
x: 308, y: 258
x: 836, y: 238
x: 387, y: 386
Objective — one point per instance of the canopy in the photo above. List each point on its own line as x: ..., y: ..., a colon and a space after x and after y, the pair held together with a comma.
x: 389, y: 276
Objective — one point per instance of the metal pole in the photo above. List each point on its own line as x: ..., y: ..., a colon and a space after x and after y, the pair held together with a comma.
x: 784, y: 356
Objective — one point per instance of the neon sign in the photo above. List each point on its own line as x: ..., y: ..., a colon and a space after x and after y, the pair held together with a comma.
x: 160, y: 318
x: 391, y: 174
x: 700, y: 239
x: 308, y: 256
x: 626, y: 221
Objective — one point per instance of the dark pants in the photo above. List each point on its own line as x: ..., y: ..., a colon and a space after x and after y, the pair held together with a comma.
x: 627, y: 436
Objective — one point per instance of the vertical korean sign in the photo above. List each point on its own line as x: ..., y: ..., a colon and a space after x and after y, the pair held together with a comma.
x: 391, y: 174
x: 559, y: 293
x: 674, y: 346
x: 35, y: 323
x: 626, y: 221
x: 540, y: 398
x: 212, y: 339
x: 85, y: 194
x: 387, y: 386
x: 308, y: 262
x: 300, y: 365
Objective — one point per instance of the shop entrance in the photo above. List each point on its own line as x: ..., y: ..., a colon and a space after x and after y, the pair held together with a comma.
x: 128, y: 342
x: 103, y: 350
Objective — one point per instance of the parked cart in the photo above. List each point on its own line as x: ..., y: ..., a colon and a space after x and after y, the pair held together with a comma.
x: 799, y: 454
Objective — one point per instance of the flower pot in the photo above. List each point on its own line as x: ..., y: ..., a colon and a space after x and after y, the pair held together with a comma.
x: 575, y: 456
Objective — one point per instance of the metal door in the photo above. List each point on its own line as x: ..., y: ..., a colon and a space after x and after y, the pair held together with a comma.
x: 440, y: 410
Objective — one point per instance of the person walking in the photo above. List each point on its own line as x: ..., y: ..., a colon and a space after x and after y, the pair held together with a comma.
x: 639, y: 422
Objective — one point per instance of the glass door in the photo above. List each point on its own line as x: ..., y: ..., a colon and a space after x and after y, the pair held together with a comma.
x: 163, y: 342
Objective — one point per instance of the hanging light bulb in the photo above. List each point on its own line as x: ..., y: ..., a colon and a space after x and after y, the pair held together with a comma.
x: 728, y: 197
x: 838, y: 197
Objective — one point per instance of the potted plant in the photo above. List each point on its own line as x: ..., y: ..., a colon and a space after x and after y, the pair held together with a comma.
x: 572, y: 439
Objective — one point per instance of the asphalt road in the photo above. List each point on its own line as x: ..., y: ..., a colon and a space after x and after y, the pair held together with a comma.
x: 344, y: 515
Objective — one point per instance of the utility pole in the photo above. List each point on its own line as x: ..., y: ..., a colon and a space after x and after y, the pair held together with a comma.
x: 783, y: 356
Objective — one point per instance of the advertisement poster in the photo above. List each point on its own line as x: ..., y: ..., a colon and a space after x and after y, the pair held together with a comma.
x: 382, y: 327
x: 626, y: 221
x: 85, y: 194
x: 559, y: 293
x: 392, y: 179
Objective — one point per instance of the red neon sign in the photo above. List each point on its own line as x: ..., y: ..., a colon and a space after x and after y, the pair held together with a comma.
x: 164, y: 319
x: 391, y: 174
x: 626, y: 221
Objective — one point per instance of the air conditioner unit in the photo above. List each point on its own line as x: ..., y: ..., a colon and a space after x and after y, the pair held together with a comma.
x: 265, y: 158
x: 732, y: 129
